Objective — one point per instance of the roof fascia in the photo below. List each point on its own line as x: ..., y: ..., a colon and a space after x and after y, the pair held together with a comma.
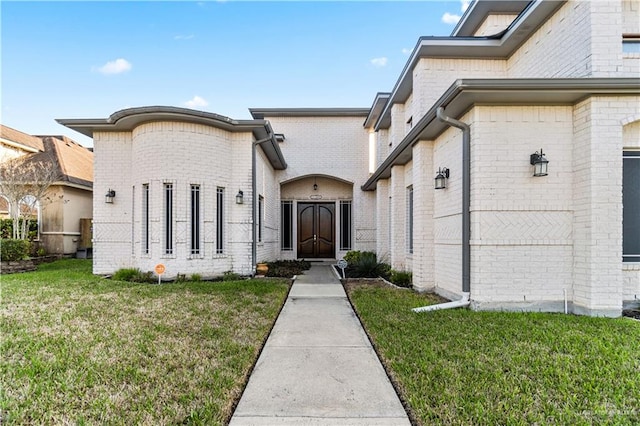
x: 272, y: 148
x: 378, y: 103
x: 469, y: 48
x: 128, y: 119
x: 261, y: 113
x: 463, y: 94
x: 478, y: 11
x: 18, y: 145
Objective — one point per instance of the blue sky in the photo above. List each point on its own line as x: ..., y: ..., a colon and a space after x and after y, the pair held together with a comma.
x: 90, y: 59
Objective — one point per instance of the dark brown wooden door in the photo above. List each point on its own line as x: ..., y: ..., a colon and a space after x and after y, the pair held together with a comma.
x: 316, y: 230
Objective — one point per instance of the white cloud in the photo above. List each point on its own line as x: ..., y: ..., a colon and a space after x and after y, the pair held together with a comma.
x: 115, y: 67
x: 197, y: 102
x: 450, y: 18
x: 406, y: 51
x: 379, y: 62
x: 464, y: 5
x: 183, y: 37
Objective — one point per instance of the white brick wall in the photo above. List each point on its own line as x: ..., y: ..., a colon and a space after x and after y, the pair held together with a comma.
x: 423, y: 209
x: 331, y: 147
x: 494, y: 23
x: 182, y: 154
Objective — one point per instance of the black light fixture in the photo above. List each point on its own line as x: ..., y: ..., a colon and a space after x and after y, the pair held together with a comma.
x: 315, y: 185
x: 539, y: 163
x: 240, y: 197
x: 441, y: 178
x: 109, y: 196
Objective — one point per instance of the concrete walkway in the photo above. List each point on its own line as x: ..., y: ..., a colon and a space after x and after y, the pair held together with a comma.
x: 318, y: 367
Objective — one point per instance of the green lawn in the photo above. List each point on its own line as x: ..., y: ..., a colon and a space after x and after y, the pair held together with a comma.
x: 496, y: 368
x: 79, y: 349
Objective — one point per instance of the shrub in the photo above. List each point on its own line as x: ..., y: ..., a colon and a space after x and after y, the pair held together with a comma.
x: 6, y: 228
x: 11, y: 249
x: 133, y: 275
x: 366, y: 265
x: 196, y: 277
x: 401, y: 278
x: 352, y: 256
x: 287, y: 268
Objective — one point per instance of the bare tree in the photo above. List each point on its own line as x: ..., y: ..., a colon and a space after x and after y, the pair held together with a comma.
x: 25, y: 182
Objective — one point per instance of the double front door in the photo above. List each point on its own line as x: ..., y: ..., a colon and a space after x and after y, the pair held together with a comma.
x: 316, y: 229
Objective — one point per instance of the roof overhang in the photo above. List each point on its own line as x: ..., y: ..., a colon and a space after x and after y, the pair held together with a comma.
x: 478, y: 11
x: 498, y: 47
x: 461, y: 96
x: 261, y: 113
x: 128, y: 119
x: 375, y: 110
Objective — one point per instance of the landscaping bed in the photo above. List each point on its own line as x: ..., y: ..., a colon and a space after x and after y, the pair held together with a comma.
x: 80, y: 349
x: 464, y: 367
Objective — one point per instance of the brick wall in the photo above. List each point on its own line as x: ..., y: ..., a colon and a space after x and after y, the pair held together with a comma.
x: 493, y: 24
x: 183, y: 154
x: 331, y: 147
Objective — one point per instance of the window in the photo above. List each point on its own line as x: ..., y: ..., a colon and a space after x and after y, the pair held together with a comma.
x: 631, y: 206
x: 631, y: 43
x: 410, y: 219
x: 195, y: 219
x: 286, y: 226
x: 260, y: 216
x: 168, y: 218
x: 145, y: 219
x: 219, y: 220
x: 345, y: 225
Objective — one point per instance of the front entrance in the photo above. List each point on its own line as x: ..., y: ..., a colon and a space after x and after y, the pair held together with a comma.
x: 316, y: 228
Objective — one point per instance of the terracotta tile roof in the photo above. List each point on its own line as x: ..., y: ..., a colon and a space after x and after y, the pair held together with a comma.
x: 21, y: 138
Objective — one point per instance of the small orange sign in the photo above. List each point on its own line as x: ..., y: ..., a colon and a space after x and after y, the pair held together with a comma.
x: 159, y: 269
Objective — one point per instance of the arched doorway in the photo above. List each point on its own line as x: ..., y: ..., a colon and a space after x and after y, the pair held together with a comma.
x: 313, y: 215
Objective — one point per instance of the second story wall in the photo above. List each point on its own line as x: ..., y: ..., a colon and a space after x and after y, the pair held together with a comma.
x: 582, y: 39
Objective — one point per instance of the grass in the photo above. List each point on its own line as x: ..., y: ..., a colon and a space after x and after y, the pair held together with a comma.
x: 79, y: 349
x: 460, y: 367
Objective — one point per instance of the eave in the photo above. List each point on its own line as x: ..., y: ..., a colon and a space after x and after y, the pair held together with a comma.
x: 261, y: 113
x: 495, y: 47
x: 463, y: 94
x: 128, y: 119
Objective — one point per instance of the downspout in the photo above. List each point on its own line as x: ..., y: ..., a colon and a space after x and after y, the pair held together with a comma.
x: 466, y: 216
x: 254, y: 196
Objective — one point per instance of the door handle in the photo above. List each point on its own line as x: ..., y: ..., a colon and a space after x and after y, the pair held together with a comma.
x: 314, y: 238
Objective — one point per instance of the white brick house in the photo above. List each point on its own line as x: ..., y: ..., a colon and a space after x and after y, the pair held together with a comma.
x: 513, y: 78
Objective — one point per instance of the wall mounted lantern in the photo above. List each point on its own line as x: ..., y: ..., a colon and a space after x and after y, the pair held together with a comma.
x: 240, y: 197
x: 539, y: 163
x: 315, y: 184
x: 109, y: 196
x: 441, y: 178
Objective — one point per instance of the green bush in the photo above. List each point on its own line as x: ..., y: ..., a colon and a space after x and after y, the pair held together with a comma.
x: 11, y: 249
x: 133, y: 275
x: 401, y: 278
x: 366, y: 265
x: 287, y: 268
x: 6, y: 228
x: 196, y: 277
x: 352, y: 256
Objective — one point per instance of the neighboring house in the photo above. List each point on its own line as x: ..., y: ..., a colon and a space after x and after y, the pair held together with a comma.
x: 69, y: 198
x: 514, y: 79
